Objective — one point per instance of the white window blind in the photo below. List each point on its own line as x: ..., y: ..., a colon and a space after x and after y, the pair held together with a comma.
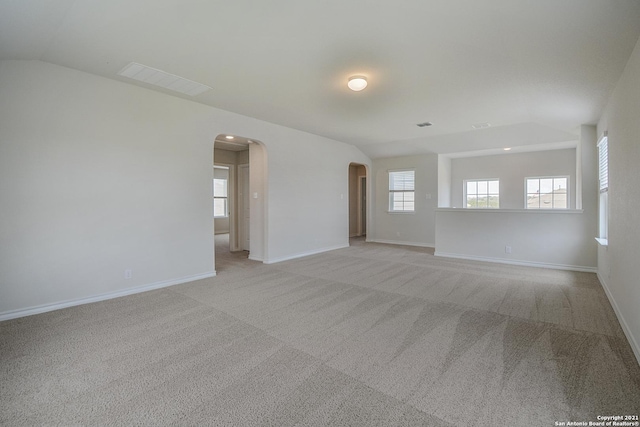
x: 402, y: 191
x: 603, y: 164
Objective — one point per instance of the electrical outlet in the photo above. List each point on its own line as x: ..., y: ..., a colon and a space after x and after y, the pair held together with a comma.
x: 507, y: 249
x: 128, y: 273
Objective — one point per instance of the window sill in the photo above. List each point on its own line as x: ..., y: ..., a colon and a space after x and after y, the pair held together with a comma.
x: 529, y: 211
x: 401, y: 212
x: 602, y: 242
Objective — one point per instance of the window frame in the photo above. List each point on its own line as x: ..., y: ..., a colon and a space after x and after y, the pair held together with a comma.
x: 488, y: 194
x: 526, y: 193
x: 603, y: 190
x: 225, y: 198
x: 392, y: 192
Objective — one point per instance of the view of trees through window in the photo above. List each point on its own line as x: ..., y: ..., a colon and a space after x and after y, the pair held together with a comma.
x: 483, y: 194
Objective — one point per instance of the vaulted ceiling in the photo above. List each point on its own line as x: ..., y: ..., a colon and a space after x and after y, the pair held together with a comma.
x: 535, y: 70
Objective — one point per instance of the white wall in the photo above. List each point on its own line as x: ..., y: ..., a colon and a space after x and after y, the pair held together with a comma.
x: 98, y: 176
x: 444, y: 181
x: 309, y: 179
x: 416, y: 228
x: 512, y: 169
x: 618, y: 266
x: 258, y: 199
x: 553, y: 239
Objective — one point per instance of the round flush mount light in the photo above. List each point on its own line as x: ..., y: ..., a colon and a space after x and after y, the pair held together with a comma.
x: 229, y: 137
x: 357, y: 83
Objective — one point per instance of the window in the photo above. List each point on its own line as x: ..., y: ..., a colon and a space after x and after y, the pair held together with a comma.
x: 551, y: 192
x: 220, y: 192
x: 402, y: 191
x: 603, y: 163
x: 220, y: 199
x: 482, y: 193
x: 603, y: 177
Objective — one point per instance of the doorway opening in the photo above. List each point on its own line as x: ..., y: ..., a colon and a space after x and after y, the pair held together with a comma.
x: 357, y: 200
x: 239, y: 197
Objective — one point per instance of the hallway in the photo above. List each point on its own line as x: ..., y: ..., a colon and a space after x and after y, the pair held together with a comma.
x: 226, y: 260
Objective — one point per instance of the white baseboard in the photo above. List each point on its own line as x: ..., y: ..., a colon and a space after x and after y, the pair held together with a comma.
x: 304, y: 254
x: 625, y: 327
x: 400, y: 242
x: 23, y: 312
x: 519, y: 262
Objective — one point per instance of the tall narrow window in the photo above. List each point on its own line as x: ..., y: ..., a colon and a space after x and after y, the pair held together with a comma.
x: 603, y: 177
x: 482, y: 193
x: 603, y: 163
x: 220, y: 192
x: 220, y: 208
x: 402, y: 191
x: 550, y: 192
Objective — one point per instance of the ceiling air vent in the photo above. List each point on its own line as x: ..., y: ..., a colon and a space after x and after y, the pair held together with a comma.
x: 163, y: 79
x: 424, y: 124
x: 480, y: 126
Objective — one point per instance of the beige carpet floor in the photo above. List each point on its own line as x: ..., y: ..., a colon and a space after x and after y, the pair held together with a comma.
x: 370, y: 335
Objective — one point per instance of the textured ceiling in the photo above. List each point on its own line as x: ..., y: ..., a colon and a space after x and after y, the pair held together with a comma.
x: 535, y: 69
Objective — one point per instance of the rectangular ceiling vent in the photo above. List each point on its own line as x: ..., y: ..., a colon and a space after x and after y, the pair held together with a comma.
x: 163, y: 79
x: 480, y: 126
x: 424, y: 124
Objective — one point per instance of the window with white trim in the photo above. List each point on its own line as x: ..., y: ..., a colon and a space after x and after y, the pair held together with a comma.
x: 603, y: 178
x: 402, y: 191
x: 482, y: 193
x: 547, y: 192
x: 221, y: 192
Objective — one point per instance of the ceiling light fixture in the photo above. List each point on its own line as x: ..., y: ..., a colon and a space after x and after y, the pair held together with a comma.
x: 357, y: 83
x: 229, y: 137
x: 507, y: 149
